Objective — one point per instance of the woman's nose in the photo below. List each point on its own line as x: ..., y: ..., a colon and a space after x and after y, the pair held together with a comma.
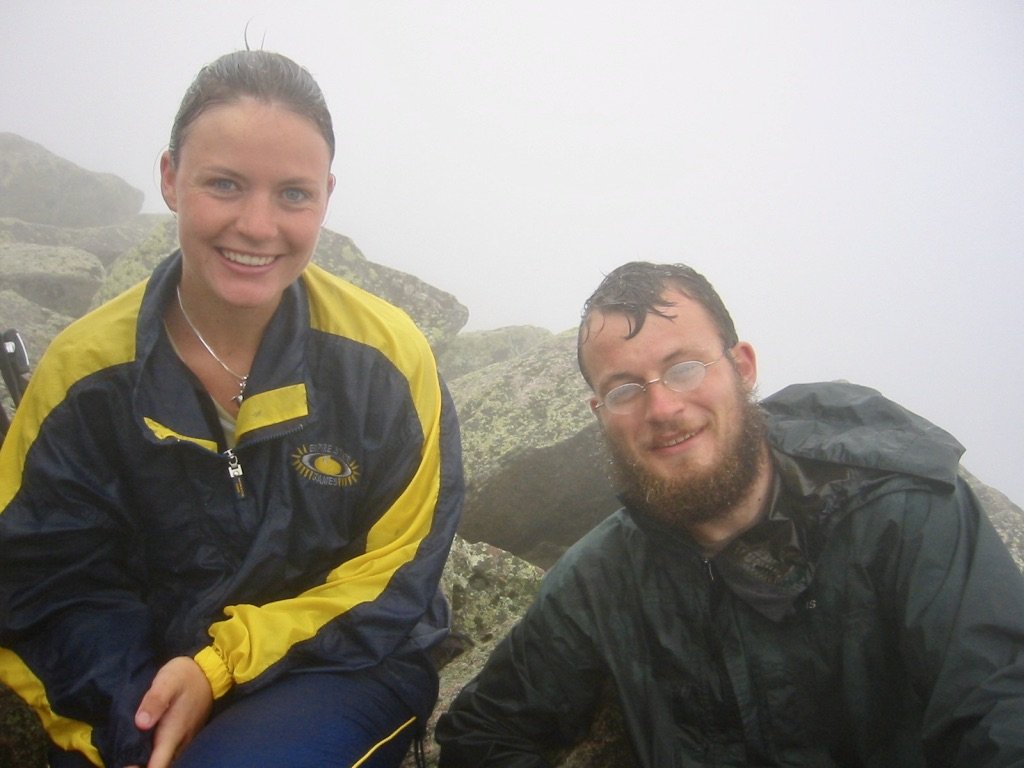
x: 257, y: 219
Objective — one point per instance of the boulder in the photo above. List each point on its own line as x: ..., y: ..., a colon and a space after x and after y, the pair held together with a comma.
x: 38, y: 186
x: 474, y: 350
x: 540, y: 500
x: 526, y: 402
x: 58, y: 278
x: 137, y: 262
x: 437, y: 313
x: 488, y: 588
x: 1007, y: 517
x: 105, y: 243
x: 22, y: 739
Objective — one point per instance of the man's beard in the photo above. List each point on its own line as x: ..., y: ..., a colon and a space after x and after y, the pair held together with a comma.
x: 698, y: 496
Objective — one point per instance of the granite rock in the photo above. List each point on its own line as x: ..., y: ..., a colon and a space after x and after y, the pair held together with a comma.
x: 526, y: 402
x: 473, y: 350
x: 59, y: 278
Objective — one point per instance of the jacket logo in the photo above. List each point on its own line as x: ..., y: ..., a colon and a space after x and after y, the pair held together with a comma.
x: 325, y: 465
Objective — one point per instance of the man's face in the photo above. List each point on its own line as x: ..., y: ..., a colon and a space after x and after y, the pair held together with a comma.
x: 685, y: 457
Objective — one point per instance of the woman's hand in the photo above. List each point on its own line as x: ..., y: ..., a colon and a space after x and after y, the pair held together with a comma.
x: 176, y: 705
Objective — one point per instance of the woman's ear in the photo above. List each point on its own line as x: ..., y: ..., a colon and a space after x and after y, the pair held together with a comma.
x: 168, y: 177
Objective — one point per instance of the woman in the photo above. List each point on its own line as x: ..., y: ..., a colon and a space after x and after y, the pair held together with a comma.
x: 228, y: 494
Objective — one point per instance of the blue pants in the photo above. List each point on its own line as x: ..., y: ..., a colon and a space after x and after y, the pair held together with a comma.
x: 307, y: 720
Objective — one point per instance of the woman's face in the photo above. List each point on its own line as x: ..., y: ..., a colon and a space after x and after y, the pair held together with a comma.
x: 250, y: 190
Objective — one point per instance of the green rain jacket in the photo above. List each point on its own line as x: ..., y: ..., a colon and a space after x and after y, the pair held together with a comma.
x: 873, y: 618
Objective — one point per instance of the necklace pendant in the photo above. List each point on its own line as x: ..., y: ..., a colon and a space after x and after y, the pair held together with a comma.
x: 237, y: 399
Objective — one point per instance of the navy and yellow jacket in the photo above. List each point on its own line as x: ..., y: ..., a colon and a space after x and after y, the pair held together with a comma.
x: 130, y: 533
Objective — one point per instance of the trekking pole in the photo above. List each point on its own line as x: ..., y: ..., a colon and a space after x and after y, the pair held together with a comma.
x: 14, y: 365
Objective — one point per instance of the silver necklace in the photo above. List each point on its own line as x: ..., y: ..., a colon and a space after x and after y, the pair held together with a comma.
x: 242, y: 380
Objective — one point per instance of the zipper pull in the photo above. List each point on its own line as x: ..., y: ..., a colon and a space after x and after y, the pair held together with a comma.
x: 235, y: 473
x: 707, y: 566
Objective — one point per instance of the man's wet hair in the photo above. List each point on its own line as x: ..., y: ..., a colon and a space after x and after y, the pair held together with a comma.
x: 263, y: 75
x: 637, y: 289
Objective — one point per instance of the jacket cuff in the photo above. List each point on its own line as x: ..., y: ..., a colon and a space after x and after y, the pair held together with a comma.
x: 216, y: 671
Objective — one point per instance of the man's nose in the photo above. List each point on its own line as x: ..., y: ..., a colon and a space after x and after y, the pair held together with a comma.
x: 662, y: 402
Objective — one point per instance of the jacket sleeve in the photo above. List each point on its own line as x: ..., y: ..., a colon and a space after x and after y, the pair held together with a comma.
x: 75, y: 632
x: 959, y: 600
x: 536, y: 694
x: 384, y: 596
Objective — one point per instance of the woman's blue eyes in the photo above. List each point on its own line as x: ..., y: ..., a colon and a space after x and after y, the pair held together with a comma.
x: 290, y: 195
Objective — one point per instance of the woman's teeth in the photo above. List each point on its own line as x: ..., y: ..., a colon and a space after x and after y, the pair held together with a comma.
x: 247, y: 259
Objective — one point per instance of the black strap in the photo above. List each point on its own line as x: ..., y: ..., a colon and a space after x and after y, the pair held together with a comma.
x: 419, y: 752
x: 5, y: 424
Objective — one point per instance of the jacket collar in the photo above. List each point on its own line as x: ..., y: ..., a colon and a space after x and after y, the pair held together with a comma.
x: 169, y: 400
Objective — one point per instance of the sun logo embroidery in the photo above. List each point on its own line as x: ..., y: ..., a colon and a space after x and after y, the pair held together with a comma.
x: 326, y: 465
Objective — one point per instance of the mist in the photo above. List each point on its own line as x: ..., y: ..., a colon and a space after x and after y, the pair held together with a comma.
x: 849, y: 175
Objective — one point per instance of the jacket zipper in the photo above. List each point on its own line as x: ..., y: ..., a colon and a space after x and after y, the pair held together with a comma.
x: 235, y: 473
x: 707, y: 567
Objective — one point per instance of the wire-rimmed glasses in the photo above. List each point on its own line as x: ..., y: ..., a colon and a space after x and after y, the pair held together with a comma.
x: 679, y: 377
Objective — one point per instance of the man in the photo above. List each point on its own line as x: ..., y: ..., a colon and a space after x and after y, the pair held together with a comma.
x: 802, y: 582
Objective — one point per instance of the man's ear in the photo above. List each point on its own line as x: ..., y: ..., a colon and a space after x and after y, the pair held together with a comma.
x: 168, y: 177
x: 745, y: 359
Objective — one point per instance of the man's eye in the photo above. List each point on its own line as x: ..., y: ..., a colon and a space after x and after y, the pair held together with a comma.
x: 223, y: 185
x: 624, y: 393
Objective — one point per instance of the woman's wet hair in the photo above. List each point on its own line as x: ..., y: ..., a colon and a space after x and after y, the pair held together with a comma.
x: 263, y: 75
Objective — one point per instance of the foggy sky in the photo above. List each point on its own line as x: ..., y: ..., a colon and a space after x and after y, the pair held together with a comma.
x: 849, y: 175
